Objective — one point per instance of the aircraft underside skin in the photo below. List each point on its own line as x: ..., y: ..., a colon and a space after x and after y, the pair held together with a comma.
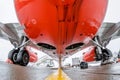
x: 61, y: 23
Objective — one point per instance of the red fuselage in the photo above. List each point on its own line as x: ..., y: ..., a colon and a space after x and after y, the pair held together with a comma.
x: 61, y: 23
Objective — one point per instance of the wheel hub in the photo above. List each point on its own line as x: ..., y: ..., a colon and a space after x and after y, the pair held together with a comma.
x: 15, y: 57
x: 25, y: 58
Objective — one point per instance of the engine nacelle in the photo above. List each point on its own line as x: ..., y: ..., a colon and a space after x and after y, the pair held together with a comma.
x: 89, y: 56
x: 33, y: 56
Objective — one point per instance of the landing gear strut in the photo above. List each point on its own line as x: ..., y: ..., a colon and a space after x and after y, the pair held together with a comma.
x: 106, y: 54
x: 19, y: 54
x: 102, y: 53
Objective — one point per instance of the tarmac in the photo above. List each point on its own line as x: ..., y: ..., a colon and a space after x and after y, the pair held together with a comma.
x: 105, y: 72
x: 16, y: 72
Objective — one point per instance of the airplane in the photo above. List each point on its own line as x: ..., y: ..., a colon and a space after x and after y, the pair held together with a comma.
x: 60, y: 28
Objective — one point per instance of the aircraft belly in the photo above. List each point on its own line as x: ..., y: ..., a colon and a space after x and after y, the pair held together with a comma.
x: 60, y: 23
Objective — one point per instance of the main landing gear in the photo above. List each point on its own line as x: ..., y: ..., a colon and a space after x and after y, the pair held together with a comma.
x: 104, y: 57
x: 101, y: 52
x: 18, y: 56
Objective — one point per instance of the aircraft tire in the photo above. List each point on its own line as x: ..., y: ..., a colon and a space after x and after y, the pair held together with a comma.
x: 107, y: 54
x: 13, y: 56
x: 23, y: 58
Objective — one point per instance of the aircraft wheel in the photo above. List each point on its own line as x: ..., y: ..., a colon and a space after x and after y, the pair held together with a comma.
x: 13, y: 56
x: 107, y: 54
x: 23, y: 58
x: 118, y: 55
x: 83, y: 65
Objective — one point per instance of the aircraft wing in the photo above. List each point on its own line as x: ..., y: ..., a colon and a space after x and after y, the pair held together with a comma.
x: 14, y: 33
x: 11, y: 32
x: 107, y: 32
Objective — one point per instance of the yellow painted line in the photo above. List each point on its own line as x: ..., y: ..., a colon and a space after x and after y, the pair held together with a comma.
x: 59, y: 75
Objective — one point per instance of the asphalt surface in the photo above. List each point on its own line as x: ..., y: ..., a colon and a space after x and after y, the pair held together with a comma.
x: 105, y: 72
x: 15, y: 72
